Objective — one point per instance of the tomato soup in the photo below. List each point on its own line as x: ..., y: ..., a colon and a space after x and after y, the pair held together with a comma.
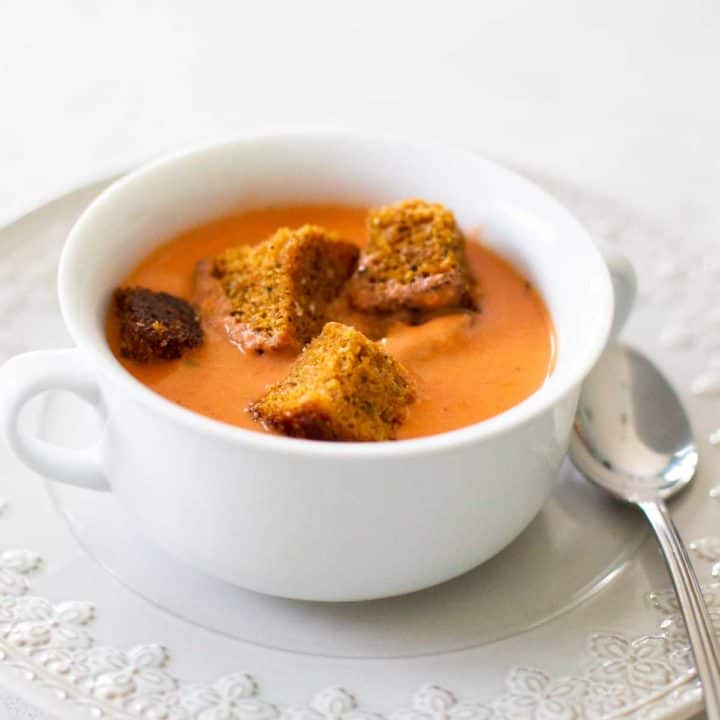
x: 467, y: 366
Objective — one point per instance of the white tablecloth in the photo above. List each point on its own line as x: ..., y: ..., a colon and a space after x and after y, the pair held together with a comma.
x: 620, y: 96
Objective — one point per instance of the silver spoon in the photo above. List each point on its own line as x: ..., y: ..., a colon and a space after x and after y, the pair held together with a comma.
x: 633, y: 439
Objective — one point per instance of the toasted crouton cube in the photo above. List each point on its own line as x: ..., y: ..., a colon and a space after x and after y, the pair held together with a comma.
x: 414, y: 260
x: 279, y: 290
x: 342, y: 387
x: 155, y: 325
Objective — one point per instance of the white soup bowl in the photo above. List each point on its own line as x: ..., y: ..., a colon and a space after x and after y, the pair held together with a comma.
x: 298, y: 518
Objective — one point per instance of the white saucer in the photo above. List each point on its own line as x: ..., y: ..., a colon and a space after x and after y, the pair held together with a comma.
x: 562, y: 625
x: 581, y: 539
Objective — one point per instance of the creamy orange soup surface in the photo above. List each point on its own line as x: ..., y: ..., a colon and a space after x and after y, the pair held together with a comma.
x: 467, y: 366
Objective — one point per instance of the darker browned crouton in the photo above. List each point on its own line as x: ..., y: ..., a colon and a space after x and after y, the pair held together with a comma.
x: 279, y: 290
x: 342, y: 387
x: 414, y: 260
x: 155, y: 325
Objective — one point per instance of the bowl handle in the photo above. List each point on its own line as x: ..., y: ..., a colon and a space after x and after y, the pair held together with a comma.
x: 624, y: 283
x: 25, y: 376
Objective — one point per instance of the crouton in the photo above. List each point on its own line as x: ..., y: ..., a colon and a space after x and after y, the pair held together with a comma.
x: 155, y: 325
x: 341, y: 387
x: 414, y: 260
x: 279, y: 290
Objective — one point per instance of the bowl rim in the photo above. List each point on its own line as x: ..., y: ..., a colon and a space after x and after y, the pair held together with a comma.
x: 543, y: 399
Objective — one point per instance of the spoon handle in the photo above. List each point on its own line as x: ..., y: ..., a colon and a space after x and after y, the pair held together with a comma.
x: 703, y: 642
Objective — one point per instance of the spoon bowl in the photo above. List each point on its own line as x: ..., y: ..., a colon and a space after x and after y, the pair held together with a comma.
x: 632, y: 435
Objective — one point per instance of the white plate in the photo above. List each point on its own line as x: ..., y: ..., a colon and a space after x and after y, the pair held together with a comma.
x: 572, y: 621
